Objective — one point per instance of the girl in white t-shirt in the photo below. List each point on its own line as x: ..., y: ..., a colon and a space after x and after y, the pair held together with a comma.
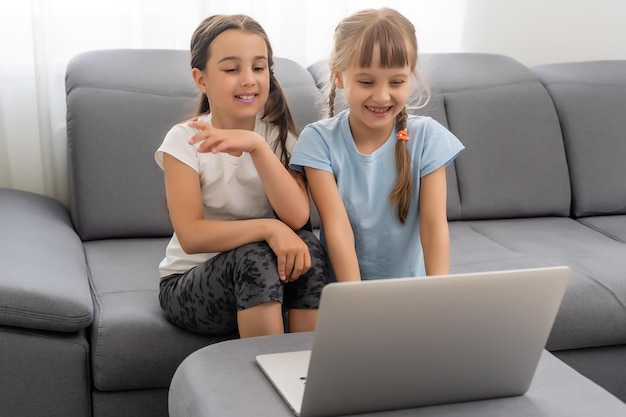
x: 239, y: 254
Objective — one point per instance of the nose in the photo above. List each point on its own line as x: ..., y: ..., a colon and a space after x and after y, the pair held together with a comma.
x: 381, y: 94
x: 247, y: 77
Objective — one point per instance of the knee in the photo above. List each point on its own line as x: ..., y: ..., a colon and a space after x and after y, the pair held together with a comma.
x: 255, y: 255
x: 254, y: 265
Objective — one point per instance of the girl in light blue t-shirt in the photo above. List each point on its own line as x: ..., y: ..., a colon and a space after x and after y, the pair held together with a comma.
x: 376, y: 174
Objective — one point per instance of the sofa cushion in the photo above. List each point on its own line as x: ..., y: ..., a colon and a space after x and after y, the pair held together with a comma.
x: 594, y: 307
x: 611, y: 226
x: 590, y: 98
x: 133, y: 346
x: 116, y: 188
x: 43, y: 283
x: 514, y: 163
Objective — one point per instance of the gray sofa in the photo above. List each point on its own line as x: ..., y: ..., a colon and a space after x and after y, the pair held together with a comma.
x: 540, y: 183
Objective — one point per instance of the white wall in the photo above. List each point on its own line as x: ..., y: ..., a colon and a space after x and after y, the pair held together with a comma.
x: 546, y: 31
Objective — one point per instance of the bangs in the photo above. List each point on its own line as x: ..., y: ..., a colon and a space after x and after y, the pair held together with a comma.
x: 394, y: 51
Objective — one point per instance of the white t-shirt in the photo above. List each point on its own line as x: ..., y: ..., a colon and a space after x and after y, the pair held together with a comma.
x: 231, y: 187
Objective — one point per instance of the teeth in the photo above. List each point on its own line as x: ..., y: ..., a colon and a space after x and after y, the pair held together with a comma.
x: 379, y: 109
x: 246, y: 97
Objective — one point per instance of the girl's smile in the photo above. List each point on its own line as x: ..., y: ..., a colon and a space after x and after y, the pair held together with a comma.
x: 379, y: 111
x: 248, y: 98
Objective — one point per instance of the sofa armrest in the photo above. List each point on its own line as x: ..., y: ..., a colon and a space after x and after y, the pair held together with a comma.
x: 43, y: 272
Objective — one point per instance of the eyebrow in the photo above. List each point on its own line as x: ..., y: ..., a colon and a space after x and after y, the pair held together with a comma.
x: 235, y: 58
x: 367, y: 74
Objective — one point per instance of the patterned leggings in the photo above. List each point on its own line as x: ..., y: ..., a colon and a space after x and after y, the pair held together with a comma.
x: 205, y: 299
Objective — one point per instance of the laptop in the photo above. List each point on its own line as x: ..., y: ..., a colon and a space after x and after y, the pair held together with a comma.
x: 409, y: 342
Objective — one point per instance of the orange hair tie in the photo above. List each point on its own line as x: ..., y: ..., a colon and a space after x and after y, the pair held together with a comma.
x: 403, y: 135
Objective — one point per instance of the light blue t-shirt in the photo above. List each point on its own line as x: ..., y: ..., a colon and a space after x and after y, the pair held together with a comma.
x: 385, y: 247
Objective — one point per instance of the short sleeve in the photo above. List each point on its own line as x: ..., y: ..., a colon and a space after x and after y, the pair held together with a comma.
x: 311, y: 150
x: 176, y: 144
x: 439, y: 149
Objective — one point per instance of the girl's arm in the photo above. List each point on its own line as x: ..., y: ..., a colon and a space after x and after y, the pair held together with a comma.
x: 434, y: 231
x: 286, y: 192
x: 198, y: 235
x: 337, y: 229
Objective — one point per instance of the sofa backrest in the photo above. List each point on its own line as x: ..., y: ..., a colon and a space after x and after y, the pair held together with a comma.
x: 120, y: 105
x: 514, y: 163
x: 590, y: 98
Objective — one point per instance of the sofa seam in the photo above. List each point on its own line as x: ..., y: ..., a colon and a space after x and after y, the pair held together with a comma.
x: 591, y: 277
x: 576, y: 83
x: 129, y: 90
x: 94, y: 346
x: 50, y: 335
x: 436, y: 91
x: 601, y: 231
x: 128, y: 292
x: 53, y: 317
x: 493, y: 240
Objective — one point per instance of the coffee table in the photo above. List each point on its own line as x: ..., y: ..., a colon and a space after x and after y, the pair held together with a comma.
x: 223, y: 380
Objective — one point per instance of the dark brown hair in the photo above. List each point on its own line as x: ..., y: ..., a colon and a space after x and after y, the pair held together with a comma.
x: 355, y: 40
x: 276, y: 110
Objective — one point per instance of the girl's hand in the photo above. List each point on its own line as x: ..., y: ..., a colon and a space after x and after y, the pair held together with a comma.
x: 293, y: 257
x: 211, y: 139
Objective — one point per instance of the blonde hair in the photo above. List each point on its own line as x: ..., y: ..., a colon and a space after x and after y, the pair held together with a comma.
x: 276, y: 110
x: 355, y: 40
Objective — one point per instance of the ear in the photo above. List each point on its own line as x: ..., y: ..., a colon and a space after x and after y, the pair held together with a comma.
x: 199, y: 78
x: 338, y: 76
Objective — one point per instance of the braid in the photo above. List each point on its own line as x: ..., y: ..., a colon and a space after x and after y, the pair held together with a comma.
x: 400, y: 196
x: 332, y: 92
x: 278, y: 113
x: 203, y: 106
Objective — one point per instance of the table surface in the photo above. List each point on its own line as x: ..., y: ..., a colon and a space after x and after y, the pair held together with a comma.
x: 223, y: 380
